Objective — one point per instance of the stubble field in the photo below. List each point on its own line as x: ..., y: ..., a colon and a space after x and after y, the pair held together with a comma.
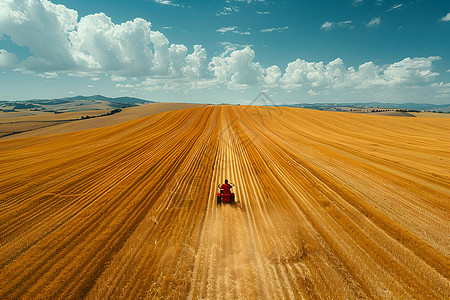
x: 332, y: 205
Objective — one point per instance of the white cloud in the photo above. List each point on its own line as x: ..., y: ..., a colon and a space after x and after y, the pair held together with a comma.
x: 277, y: 29
x: 394, y: 7
x: 357, y: 2
x: 226, y: 29
x: 96, y: 46
x: 232, y: 29
x: 231, y: 9
x: 7, y: 59
x: 446, y: 18
x: 92, y: 44
x: 327, y: 25
x: 228, y: 11
x: 196, y: 64
x: 317, y: 93
x: 347, y: 24
x: 131, y: 48
x: 118, y: 78
x: 237, y: 68
x: 273, y: 75
x: 344, y: 23
x: 166, y: 2
x: 230, y: 47
x: 441, y: 84
x: 248, y: 1
x: 442, y: 90
x: 20, y: 20
x: 177, y: 54
x: 263, y: 12
x: 410, y: 71
x: 330, y: 25
x: 374, y: 22
x: 119, y: 85
x: 48, y: 75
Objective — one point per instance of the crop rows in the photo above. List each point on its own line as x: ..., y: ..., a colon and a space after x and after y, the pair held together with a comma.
x: 331, y: 205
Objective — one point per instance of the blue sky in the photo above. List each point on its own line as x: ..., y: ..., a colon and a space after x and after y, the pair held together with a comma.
x: 227, y: 51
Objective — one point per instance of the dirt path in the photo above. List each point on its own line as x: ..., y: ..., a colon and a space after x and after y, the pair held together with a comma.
x: 332, y: 205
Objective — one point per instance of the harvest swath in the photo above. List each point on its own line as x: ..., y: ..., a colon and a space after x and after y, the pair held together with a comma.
x: 334, y: 205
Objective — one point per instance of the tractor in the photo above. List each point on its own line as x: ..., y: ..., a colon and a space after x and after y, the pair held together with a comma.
x: 225, y: 198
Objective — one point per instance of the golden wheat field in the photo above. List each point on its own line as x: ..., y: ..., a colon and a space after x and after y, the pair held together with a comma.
x: 332, y: 206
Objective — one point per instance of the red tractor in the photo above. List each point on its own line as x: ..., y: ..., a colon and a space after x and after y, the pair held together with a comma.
x: 225, y: 198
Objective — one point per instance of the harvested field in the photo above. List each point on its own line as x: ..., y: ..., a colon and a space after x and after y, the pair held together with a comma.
x: 7, y: 129
x: 46, y: 117
x: 127, y: 114
x: 28, y: 123
x: 431, y: 115
x: 392, y: 114
x: 332, y: 205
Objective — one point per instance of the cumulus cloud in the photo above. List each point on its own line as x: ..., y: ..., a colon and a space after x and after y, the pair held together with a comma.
x: 196, y: 64
x: 357, y: 2
x: 411, y: 70
x: 37, y: 25
x: 272, y: 76
x: 131, y: 48
x: 237, y: 68
x: 95, y: 45
x: 446, y: 18
x: 92, y: 44
x: 7, y: 59
x: 335, y: 75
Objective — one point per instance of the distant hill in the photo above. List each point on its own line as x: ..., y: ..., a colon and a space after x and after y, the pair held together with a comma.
x: 122, y: 100
x: 408, y: 106
x: 71, y: 104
